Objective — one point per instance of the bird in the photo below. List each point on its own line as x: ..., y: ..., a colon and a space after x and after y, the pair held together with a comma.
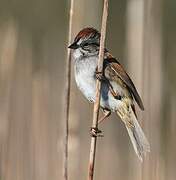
x: 118, y: 92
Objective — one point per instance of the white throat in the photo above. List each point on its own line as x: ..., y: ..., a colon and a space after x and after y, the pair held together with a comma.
x: 77, y: 54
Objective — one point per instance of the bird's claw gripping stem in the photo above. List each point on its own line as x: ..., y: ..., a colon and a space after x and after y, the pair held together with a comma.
x: 95, y: 132
x: 100, y: 76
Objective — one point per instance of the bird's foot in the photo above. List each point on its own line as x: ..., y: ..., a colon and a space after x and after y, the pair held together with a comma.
x: 95, y: 132
x: 99, y: 76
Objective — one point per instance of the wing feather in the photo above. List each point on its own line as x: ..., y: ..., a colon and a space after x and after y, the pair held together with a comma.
x: 113, y: 70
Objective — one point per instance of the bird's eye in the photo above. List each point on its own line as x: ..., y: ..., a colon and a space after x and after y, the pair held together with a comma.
x: 85, y: 46
x: 89, y: 46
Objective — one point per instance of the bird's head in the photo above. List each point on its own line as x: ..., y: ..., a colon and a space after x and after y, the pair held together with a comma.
x: 86, y: 43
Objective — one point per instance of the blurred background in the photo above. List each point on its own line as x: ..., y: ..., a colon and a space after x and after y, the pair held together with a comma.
x: 33, y: 45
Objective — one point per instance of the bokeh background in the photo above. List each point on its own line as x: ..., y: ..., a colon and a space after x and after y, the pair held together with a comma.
x: 33, y: 45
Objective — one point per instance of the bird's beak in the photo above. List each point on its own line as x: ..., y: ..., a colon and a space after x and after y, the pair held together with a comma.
x: 73, y: 45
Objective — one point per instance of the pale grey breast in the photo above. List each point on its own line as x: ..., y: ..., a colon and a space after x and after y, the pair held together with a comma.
x: 85, y: 76
x: 85, y: 79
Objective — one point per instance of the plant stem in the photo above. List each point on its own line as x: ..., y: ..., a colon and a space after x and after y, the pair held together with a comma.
x: 67, y: 95
x: 98, y: 87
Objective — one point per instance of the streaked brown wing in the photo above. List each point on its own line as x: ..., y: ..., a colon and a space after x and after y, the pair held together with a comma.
x: 114, y: 70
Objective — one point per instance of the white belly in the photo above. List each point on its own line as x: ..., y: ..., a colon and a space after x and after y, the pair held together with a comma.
x: 86, y: 82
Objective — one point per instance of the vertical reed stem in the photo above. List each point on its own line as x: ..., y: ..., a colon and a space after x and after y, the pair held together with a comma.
x: 67, y: 95
x: 98, y: 87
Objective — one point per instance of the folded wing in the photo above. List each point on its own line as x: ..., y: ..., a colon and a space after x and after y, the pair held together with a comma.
x: 113, y: 70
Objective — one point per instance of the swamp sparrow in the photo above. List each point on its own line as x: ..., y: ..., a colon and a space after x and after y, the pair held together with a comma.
x: 118, y: 92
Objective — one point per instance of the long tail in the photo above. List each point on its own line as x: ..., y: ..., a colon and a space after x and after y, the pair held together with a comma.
x: 137, y: 136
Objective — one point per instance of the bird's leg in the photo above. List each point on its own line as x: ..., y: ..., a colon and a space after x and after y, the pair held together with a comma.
x: 95, y: 132
x: 115, y: 94
x: 107, y: 113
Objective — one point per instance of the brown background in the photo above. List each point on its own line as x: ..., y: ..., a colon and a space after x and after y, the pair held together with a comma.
x: 33, y: 36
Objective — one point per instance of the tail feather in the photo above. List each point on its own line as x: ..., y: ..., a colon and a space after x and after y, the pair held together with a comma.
x: 137, y: 136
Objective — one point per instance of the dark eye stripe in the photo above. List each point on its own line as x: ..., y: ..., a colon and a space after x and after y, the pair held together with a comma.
x: 96, y: 44
x: 86, y: 44
x: 89, y: 44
